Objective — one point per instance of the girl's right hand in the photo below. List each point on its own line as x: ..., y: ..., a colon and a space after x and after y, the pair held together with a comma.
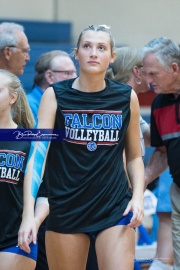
x: 27, y: 234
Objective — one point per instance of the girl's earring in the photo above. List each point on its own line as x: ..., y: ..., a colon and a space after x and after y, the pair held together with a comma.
x: 139, y: 81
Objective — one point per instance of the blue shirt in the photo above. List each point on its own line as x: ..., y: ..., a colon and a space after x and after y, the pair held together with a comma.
x: 34, y: 98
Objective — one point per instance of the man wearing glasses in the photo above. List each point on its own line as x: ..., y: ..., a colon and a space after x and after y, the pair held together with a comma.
x: 14, y: 48
x: 51, y: 67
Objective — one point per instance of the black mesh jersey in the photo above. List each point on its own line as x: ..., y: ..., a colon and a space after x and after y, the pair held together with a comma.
x: 13, y: 159
x: 88, y: 186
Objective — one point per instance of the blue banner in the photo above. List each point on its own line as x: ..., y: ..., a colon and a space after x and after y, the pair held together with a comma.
x: 22, y: 134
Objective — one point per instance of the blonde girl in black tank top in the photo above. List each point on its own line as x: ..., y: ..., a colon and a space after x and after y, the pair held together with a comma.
x: 89, y: 193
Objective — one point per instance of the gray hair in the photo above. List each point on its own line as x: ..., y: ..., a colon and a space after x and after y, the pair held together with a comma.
x: 44, y: 63
x: 166, y: 51
x: 8, y: 34
x: 121, y: 69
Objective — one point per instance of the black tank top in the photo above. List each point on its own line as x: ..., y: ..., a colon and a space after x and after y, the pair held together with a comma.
x: 88, y: 186
x: 13, y: 159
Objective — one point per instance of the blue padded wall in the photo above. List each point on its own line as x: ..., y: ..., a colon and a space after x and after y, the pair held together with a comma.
x: 43, y: 31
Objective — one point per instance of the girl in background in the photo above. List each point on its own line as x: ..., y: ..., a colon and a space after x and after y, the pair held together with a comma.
x: 14, y: 113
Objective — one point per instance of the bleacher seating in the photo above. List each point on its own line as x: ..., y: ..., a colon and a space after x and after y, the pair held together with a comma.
x: 43, y: 36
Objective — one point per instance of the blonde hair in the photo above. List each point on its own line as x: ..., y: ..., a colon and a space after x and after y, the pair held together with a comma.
x: 96, y: 28
x: 121, y: 69
x: 21, y: 112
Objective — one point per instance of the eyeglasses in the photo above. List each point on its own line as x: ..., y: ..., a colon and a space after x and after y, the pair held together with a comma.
x: 66, y: 72
x: 24, y: 50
